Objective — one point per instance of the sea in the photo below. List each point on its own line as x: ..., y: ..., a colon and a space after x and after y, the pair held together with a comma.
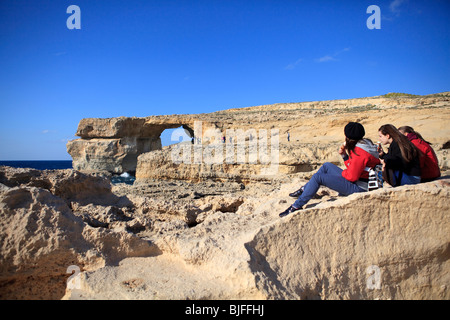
x: 61, y: 164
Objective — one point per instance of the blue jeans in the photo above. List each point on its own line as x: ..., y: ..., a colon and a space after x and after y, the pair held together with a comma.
x: 329, y: 175
x: 402, y: 179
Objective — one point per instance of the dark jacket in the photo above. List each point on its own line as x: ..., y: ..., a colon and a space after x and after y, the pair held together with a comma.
x: 394, y: 160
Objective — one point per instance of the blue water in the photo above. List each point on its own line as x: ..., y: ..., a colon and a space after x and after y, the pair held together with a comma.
x: 39, y: 164
x: 123, y: 178
x: 60, y: 164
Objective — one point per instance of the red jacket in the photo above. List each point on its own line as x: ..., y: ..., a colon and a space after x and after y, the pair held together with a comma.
x: 357, y: 162
x: 429, y: 166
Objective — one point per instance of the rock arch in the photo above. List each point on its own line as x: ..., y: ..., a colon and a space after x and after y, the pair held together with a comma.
x: 114, y: 144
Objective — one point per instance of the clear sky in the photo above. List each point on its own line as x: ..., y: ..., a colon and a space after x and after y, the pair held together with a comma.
x: 146, y: 57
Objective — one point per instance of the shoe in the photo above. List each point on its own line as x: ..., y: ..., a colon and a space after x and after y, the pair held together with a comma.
x: 297, y: 193
x: 288, y: 211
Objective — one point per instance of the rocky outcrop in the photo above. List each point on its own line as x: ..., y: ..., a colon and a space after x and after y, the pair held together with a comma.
x: 316, y: 129
x: 43, y: 232
x: 179, y: 161
x: 218, y: 240
x: 386, y: 244
x: 114, y: 144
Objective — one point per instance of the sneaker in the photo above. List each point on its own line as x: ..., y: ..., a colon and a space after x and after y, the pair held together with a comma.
x: 288, y: 211
x: 297, y: 193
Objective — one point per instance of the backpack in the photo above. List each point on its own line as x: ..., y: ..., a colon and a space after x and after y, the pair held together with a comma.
x: 375, y: 177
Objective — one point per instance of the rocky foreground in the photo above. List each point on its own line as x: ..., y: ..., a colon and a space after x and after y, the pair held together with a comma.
x: 217, y: 240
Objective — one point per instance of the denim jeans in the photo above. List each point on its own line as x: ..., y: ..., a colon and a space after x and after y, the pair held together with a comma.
x: 329, y: 175
x: 402, y: 179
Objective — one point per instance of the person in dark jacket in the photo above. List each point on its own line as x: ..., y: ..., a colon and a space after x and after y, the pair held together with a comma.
x: 429, y: 165
x: 359, y: 156
x: 401, y: 163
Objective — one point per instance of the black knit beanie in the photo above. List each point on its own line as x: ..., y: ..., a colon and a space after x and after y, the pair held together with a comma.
x: 354, y: 131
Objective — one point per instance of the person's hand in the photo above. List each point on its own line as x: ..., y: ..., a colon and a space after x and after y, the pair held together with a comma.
x: 380, y: 149
x: 342, y: 150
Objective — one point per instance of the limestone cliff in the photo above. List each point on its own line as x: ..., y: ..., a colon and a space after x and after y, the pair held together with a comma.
x: 315, y: 131
x: 114, y: 144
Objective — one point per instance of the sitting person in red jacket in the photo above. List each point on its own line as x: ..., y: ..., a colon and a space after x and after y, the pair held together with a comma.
x: 359, y: 156
x: 429, y: 166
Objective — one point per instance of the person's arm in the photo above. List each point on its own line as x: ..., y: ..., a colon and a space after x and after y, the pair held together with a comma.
x: 355, y: 167
x: 342, y: 152
x: 393, y: 159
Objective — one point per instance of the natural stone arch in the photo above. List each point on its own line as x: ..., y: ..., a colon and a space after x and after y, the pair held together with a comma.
x: 114, y: 144
x: 173, y: 136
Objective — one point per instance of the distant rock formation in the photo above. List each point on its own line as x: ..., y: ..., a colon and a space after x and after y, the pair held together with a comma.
x: 123, y: 144
x: 114, y: 144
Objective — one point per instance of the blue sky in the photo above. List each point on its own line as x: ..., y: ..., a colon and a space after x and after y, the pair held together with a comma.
x: 141, y: 58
